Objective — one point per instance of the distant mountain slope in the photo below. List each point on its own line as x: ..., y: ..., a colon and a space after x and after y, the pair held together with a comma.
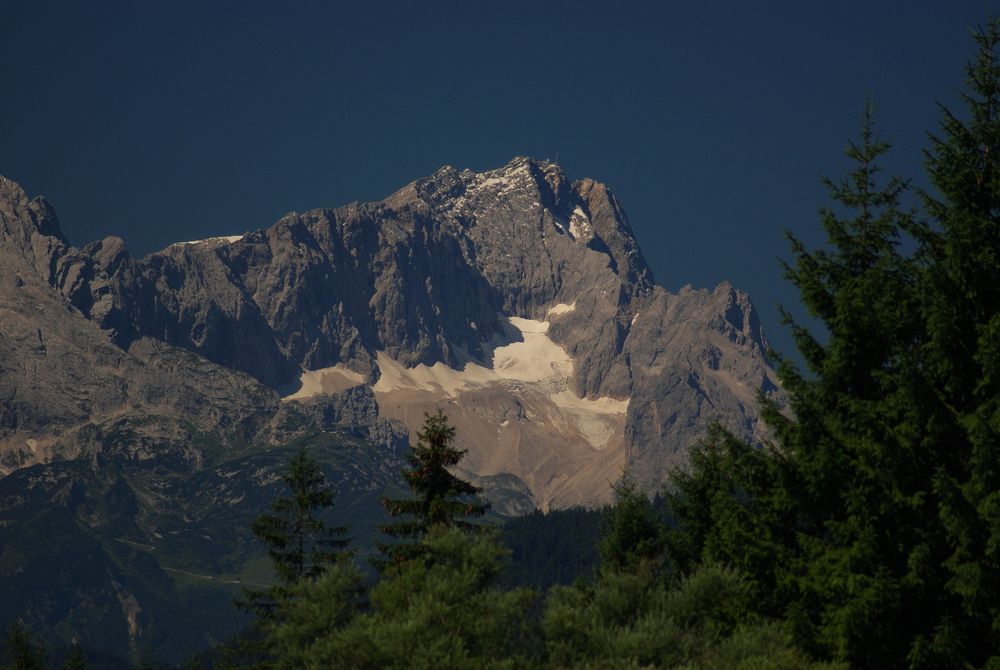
x: 135, y: 559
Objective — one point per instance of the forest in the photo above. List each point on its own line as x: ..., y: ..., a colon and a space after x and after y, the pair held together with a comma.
x: 864, y: 534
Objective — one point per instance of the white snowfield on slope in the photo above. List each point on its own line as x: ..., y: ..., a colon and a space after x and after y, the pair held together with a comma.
x: 536, y: 358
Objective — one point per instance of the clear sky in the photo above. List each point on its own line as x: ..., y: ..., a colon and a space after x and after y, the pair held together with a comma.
x: 173, y: 120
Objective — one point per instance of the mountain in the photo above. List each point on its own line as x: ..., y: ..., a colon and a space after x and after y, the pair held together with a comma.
x: 515, y: 298
x: 145, y: 403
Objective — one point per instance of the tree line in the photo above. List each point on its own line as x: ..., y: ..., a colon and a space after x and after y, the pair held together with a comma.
x: 439, y: 603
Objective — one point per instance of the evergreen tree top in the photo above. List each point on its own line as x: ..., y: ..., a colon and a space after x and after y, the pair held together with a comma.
x: 439, y: 497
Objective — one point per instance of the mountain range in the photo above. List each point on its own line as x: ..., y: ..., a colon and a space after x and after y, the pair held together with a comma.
x: 147, y: 404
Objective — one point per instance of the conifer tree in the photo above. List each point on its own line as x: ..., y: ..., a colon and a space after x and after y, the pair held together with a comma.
x: 440, y: 498
x: 440, y: 609
x: 961, y: 297
x: 874, y: 523
x: 632, y: 533
x: 830, y: 524
x: 300, y: 544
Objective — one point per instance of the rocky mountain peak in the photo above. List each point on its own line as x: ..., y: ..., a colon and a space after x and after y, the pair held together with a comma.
x: 109, y: 253
x: 738, y: 311
x: 514, y: 290
x: 24, y: 219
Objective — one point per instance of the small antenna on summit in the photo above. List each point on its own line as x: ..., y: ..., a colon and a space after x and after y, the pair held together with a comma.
x: 557, y: 157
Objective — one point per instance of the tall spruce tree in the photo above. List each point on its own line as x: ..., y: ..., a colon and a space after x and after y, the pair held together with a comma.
x: 874, y: 523
x: 830, y: 523
x: 961, y: 298
x: 300, y: 544
x: 860, y: 462
x: 440, y: 498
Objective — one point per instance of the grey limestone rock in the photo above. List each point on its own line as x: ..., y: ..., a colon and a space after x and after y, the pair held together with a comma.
x: 354, y: 410
x: 695, y: 357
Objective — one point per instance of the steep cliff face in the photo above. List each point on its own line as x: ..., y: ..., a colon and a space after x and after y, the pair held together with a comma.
x: 61, y: 373
x: 695, y: 357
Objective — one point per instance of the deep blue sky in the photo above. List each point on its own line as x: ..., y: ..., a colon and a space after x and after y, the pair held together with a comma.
x: 167, y: 121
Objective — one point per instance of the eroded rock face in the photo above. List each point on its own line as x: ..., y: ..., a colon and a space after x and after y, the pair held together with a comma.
x: 695, y: 357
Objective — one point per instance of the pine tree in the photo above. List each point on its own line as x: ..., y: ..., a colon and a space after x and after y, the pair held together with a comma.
x: 634, y: 619
x: 298, y: 541
x: 861, y: 463
x: 440, y: 498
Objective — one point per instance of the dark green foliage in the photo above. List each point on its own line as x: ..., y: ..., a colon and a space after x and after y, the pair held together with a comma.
x: 298, y: 541
x: 313, y: 610
x: 962, y: 356
x: 632, y: 531
x: 633, y: 619
x: 22, y: 652
x: 440, y: 498
x: 147, y: 663
x: 872, y: 524
x: 733, y: 509
x: 440, y: 609
x: 301, y: 548
x: 631, y: 614
x: 831, y: 526
x: 556, y: 547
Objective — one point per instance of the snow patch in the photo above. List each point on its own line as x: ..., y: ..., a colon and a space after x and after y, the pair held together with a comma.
x: 223, y: 239
x: 579, y: 225
x: 438, y: 378
x: 534, y: 358
x: 535, y: 369
x: 325, y: 381
x: 495, y: 181
x: 561, y: 308
x: 598, y: 420
x: 566, y: 399
x: 502, y: 181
